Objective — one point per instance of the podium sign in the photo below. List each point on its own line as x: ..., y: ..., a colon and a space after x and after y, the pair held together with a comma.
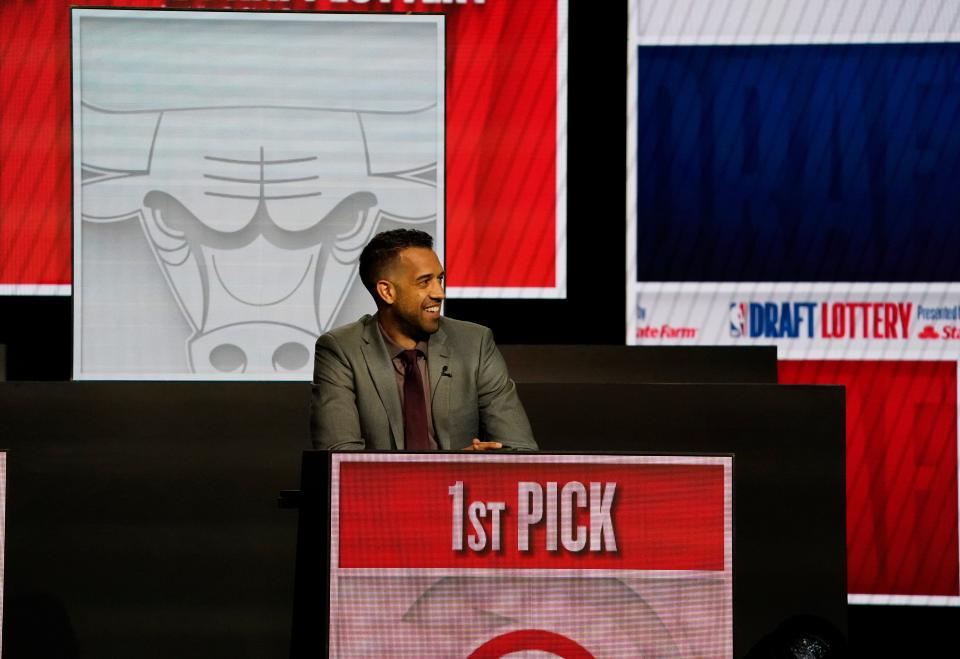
x: 486, y: 555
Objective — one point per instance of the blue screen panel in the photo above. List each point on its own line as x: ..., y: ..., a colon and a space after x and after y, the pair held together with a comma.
x: 798, y: 163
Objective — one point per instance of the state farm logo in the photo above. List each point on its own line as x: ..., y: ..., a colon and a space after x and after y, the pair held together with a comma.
x: 946, y: 333
x: 940, y: 312
x: 662, y: 331
x: 666, y: 331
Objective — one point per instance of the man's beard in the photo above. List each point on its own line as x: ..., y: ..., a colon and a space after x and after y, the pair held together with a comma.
x: 414, y: 329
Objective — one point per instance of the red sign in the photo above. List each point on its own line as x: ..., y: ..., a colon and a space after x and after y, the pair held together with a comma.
x: 534, y: 515
x: 545, y: 549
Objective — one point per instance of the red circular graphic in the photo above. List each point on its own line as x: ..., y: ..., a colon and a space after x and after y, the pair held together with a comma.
x: 531, y: 639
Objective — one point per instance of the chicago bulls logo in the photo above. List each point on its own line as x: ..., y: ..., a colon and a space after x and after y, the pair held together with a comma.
x: 255, y: 213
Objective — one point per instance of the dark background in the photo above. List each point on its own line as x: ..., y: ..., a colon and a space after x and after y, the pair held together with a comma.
x: 38, y: 330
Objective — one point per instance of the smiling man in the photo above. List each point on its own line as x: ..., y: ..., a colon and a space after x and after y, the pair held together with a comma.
x: 408, y: 378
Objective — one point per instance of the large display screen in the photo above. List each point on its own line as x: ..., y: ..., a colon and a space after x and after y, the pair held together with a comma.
x: 792, y: 182
x: 568, y: 556
x: 506, y: 70
x: 224, y: 187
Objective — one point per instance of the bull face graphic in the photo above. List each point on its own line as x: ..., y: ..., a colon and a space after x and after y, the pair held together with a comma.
x: 229, y: 167
x: 258, y: 232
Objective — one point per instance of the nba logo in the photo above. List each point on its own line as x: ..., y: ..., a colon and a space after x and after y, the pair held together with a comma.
x: 738, y: 319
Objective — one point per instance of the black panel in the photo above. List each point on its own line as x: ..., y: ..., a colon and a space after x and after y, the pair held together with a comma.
x: 640, y: 364
x: 38, y: 334
x: 310, y: 634
x: 144, y: 518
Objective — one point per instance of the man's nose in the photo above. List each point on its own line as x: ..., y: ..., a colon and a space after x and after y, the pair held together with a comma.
x: 437, y: 291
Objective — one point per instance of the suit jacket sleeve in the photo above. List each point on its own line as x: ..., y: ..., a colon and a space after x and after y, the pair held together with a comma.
x: 502, y: 417
x: 334, y: 420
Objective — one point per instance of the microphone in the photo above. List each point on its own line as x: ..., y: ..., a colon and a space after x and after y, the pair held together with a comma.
x: 445, y: 372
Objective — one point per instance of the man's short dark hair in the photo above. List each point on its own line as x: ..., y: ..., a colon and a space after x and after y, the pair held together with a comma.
x: 383, y: 248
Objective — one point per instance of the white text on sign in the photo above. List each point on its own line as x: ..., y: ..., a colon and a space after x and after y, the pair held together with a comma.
x: 557, y: 508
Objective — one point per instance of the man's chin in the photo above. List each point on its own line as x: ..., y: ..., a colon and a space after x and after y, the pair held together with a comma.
x: 431, y: 327
x: 423, y: 328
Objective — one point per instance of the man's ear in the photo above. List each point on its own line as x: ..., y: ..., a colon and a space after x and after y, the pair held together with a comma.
x: 386, y: 292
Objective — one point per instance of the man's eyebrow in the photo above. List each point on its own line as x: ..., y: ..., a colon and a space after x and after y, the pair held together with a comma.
x: 430, y: 275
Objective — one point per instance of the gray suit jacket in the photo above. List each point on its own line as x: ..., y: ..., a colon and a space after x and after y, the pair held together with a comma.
x: 356, y: 401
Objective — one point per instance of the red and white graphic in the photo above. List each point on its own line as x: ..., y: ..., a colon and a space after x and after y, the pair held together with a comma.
x: 812, y: 320
x: 526, y: 640
x: 506, y: 68
x: 578, y: 556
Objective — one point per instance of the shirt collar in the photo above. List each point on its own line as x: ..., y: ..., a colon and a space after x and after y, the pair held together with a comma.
x: 394, y: 349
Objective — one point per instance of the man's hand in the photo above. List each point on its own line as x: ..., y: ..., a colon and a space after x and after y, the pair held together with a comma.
x: 477, y: 445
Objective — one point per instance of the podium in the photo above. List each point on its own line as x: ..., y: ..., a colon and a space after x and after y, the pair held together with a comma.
x: 485, y: 554
x: 780, y: 449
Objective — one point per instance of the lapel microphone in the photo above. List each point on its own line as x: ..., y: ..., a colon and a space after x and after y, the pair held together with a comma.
x: 445, y: 372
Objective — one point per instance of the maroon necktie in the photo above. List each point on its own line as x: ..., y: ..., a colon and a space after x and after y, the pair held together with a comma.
x: 415, y: 436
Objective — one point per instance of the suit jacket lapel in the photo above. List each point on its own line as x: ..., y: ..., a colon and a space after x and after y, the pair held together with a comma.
x: 384, y: 377
x: 438, y: 362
